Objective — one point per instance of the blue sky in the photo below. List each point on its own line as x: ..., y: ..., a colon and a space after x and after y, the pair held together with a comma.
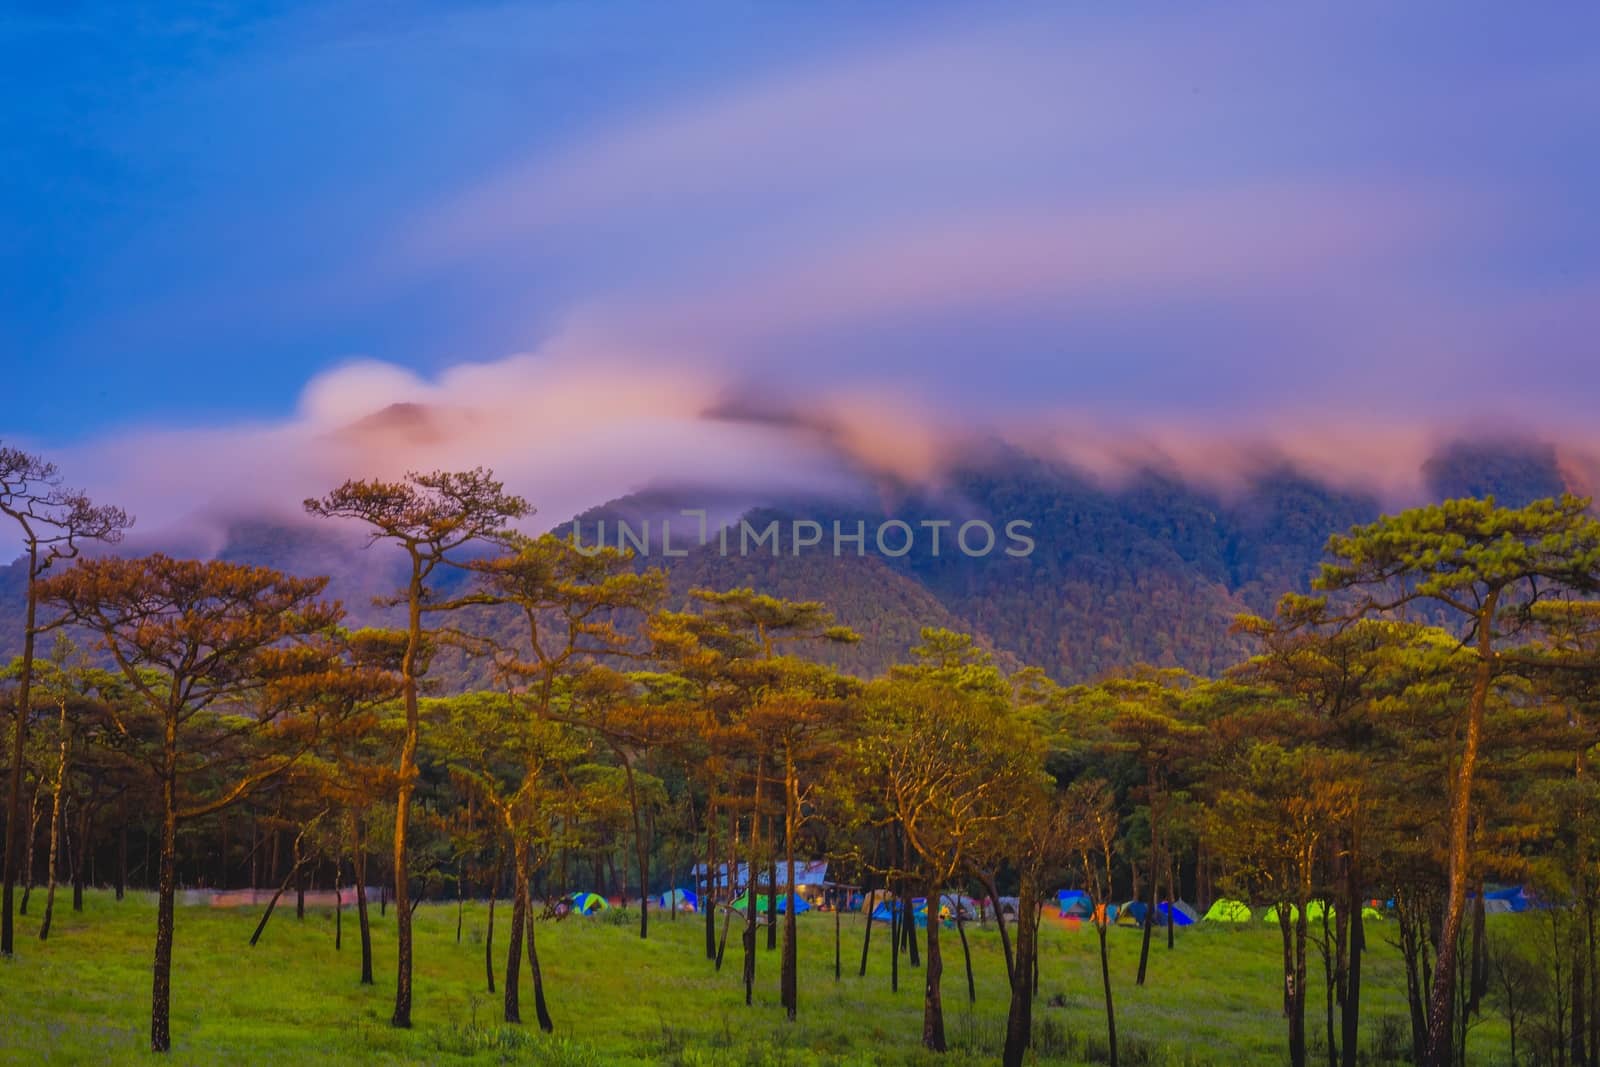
x: 1294, y: 221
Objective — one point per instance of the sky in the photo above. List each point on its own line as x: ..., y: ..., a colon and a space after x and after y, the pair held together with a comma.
x: 584, y: 243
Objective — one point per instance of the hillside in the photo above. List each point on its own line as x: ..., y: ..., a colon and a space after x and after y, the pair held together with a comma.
x: 1152, y: 570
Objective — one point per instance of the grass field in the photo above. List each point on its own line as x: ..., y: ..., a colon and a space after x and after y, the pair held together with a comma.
x: 83, y: 997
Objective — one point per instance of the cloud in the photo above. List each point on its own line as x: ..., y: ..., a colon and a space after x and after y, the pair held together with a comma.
x: 571, y: 428
x: 1214, y: 243
x: 1203, y: 217
x: 566, y: 429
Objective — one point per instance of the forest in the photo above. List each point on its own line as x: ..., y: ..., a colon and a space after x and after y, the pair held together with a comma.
x: 1398, y: 743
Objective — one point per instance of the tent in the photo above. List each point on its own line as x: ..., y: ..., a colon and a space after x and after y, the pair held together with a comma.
x: 1132, y: 913
x: 1228, y: 911
x: 1315, y: 910
x: 587, y: 903
x: 1492, y: 907
x: 1078, y: 907
x: 950, y: 902
x: 681, y: 899
x: 1179, y: 914
x: 1515, y: 898
x: 886, y: 911
x: 1074, y: 903
x: 1369, y: 912
x: 782, y: 907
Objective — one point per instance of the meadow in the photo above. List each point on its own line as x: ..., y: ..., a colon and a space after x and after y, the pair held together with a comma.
x: 83, y: 996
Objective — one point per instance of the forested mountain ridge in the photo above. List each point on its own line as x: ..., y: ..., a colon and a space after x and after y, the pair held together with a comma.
x: 1150, y: 570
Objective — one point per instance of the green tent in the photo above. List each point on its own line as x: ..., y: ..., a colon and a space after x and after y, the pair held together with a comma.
x: 1315, y: 910
x: 1228, y: 911
x: 1369, y: 912
x: 587, y: 903
x: 800, y: 905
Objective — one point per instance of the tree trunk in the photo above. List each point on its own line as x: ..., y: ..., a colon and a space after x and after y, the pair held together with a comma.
x: 402, y: 808
x: 1594, y: 976
x: 788, y: 979
x: 80, y: 866
x: 1150, y: 905
x: 1441, y: 997
x: 932, y: 997
x: 966, y: 954
x: 540, y: 1010
x: 1293, y: 930
x: 161, y: 986
x: 1330, y: 986
x: 838, y: 941
x: 1406, y: 915
x: 999, y: 916
x: 1579, y: 1038
x: 19, y: 742
x: 1172, y: 904
x: 519, y: 916
x: 488, y: 937
x: 1350, y: 1007
x: 1038, y: 916
x: 402, y: 896
x: 299, y: 883
x: 866, y: 938
x: 283, y: 887
x: 1019, y: 1014
x: 122, y: 860
x: 772, y: 889
x: 750, y: 893
x: 28, y: 851
x: 64, y: 754
x: 908, y: 925
x: 727, y: 921
x: 222, y: 853
x: 1480, y: 953
x: 897, y: 923
x: 641, y: 845
x: 1105, y: 984
x: 708, y: 888
x: 358, y: 861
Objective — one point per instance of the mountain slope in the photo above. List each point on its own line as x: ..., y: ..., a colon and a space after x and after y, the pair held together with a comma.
x: 1153, y: 570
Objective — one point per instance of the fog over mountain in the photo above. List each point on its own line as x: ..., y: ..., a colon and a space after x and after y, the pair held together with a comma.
x: 1143, y: 564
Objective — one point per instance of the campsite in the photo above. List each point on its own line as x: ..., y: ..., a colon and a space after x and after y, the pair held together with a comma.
x: 619, y: 1000
x: 668, y: 777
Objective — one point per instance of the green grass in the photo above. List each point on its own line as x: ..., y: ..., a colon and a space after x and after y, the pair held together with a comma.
x: 83, y: 996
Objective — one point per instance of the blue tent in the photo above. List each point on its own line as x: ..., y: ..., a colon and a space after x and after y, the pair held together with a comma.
x: 886, y: 911
x: 1181, y: 915
x: 1074, y: 902
x: 682, y: 899
x: 1132, y: 913
x: 1515, y: 897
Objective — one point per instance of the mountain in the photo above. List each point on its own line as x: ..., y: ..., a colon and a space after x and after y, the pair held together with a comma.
x: 1150, y: 570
